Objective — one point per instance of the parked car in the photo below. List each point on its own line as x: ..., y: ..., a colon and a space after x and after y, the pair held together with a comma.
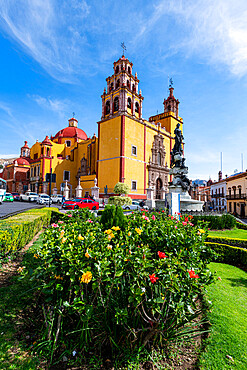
x: 29, y: 197
x: 134, y: 206
x: 80, y: 203
x: 43, y: 199
x: 56, y: 198
x: 16, y: 196
x: 8, y: 197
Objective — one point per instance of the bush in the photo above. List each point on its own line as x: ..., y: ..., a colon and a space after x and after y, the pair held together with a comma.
x: 225, y: 221
x: 119, y: 201
x: 17, y: 231
x: 239, y: 225
x: 112, y: 216
x: 121, y: 188
x: 229, y: 254
x: 120, y: 289
x: 229, y: 241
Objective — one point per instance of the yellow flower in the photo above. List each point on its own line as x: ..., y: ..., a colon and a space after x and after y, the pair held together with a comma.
x: 87, y: 255
x: 110, y: 236
x: 109, y: 246
x: 116, y: 228
x: 108, y: 231
x: 129, y: 233
x: 63, y: 240
x: 62, y: 233
x: 139, y: 231
x: 86, y: 277
x: 201, y: 231
x: 80, y: 237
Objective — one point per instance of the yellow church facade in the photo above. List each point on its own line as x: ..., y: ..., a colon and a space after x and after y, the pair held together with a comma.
x: 128, y: 148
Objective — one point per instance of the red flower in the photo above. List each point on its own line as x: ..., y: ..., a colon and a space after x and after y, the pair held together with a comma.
x: 193, y: 274
x: 153, y: 278
x: 186, y: 219
x: 162, y: 255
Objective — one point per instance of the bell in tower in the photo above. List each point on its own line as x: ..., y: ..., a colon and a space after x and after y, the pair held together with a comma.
x: 122, y: 95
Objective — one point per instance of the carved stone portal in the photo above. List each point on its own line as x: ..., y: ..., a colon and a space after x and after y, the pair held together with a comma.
x: 82, y: 171
x: 158, y: 171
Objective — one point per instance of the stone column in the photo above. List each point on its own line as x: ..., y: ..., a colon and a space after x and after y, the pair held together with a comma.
x: 95, y: 190
x: 78, y: 190
x: 150, y: 193
x: 66, y: 190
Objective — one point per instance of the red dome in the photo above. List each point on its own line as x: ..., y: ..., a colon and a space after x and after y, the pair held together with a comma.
x: 21, y: 161
x: 72, y: 132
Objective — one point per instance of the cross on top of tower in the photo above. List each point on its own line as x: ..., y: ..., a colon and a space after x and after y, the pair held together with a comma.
x: 73, y: 113
x: 123, y: 46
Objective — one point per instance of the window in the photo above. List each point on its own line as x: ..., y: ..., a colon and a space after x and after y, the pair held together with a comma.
x: 32, y: 172
x: 133, y: 88
x: 159, y: 159
x: 128, y: 84
x: 111, y: 86
x: 116, y: 104
x: 118, y: 83
x: 129, y: 71
x: 35, y: 156
x: 107, y: 107
x: 38, y: 172
x: 68, y: 142
x: 133, y: 185
x: 137, y: 107
x: 66, y: 175
x: 129, y: 103
x: 133, y: 150
x: 47, y: 152
x: 42, y: 152
x: 117, y: 69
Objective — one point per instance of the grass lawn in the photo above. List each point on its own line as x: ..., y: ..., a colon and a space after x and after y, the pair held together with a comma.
x: 228, y: 317
x: 234, y: 233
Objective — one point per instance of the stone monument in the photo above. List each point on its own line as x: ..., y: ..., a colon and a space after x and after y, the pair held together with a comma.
x: 180, y: 183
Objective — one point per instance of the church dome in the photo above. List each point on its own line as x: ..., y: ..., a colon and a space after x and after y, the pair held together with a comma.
x: 21, y: 162
x: 71, y: 132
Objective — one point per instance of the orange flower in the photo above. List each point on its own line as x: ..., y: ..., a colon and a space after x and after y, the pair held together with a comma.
x: 86, y: 277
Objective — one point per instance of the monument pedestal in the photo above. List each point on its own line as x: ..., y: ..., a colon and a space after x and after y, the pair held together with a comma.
x: 186, y: 203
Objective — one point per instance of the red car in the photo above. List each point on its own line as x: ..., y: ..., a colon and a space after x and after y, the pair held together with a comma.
x: 80, y: 203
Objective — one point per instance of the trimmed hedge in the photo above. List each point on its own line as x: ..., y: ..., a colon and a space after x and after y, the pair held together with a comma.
x: 239, y: 225
x: 236, y: 242
x: 18, y: 230
x: 229, y: 254
x: 225, y: 221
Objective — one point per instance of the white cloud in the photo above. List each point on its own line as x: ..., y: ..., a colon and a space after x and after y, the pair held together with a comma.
x: 56, y: 105
x: 5, y: 107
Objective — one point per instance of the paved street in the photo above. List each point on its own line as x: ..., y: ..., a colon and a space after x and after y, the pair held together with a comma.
x: 10, y: 207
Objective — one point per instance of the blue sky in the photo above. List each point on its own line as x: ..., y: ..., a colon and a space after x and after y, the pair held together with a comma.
x: 56, y: 55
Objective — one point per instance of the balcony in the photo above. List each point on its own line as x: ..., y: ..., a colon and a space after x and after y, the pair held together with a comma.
x: 235, y: 196
x: 220, y: 195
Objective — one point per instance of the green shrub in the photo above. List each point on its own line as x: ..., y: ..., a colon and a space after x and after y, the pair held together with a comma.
x: 229, y: 254
x: 121, y: 188
x: 239, y: 225
x: 18, y: 230
x: 112, y: 216
x: 120, y: 288
x: 229, y: 241
x: 225, y: 221
x: 119, y: 201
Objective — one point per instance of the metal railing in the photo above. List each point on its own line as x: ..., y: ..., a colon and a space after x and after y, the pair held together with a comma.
x: 236, y: 196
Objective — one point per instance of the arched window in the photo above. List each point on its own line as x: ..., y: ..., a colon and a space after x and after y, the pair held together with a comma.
x: 117, y: 69
x: 169, y: 107
x: 47, y: 152
x: 118, y: 83
x: 128, y: 84
x: 107, y: 106
x: 116, y: 105
x: 129, y: 71
x: 122, y: 67
x: 129, y: 103
x: 159, y: 159
x: 111, y: 86
x: 133, y: 88
x: 137, y: 107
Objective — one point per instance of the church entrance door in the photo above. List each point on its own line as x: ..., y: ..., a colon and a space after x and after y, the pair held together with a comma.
x: 158, y: 188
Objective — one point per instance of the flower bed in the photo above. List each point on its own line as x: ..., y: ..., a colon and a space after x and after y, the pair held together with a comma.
x: 120, y: 288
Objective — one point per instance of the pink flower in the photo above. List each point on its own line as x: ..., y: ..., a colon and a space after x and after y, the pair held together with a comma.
x: 54, y: 225
x: 153, y: 278
x: 70, y: 215
x: 162, y: 255
x: 60, y: 222
x: 90, y: 221
x: 153, y: 217
x: 175, y: 227
x: 184, y: 223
